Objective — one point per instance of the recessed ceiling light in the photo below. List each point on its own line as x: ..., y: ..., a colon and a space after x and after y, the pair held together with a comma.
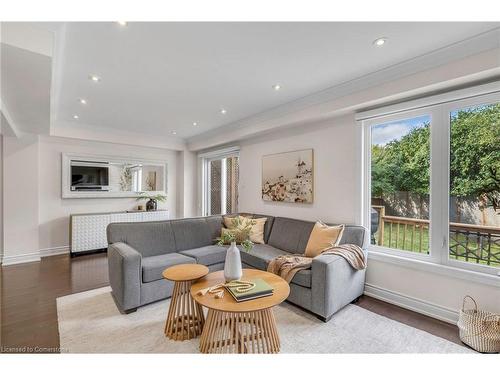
x: 94, y: 78
x: 122, y: 23
x: 76, y: 117
x: 276, y: 87
x: 380, y: 41
x: 83, y: 101
x: 195, y: 124
x: 174, y: 132
x: 223, y: 111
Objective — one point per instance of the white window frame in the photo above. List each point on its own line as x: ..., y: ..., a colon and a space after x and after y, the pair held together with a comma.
x: 438, y: 107
x: 447, y: 109
x: 206, y: 158
x: 367, y: 130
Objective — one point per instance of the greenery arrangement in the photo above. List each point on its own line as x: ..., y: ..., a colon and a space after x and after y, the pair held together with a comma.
x: 157, y: 197
x: 126, y: 179
x: 240, y: 234
x: 151, y: 183
x: 403, y: 165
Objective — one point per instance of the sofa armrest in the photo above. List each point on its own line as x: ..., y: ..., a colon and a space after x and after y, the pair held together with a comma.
x: 124, y: 265
x: 334, y: 284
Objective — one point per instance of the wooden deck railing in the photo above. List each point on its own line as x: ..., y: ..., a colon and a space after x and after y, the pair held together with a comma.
x: 472, y: 243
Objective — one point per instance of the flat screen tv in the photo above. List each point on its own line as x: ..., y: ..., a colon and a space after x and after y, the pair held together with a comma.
x: 89, y: 176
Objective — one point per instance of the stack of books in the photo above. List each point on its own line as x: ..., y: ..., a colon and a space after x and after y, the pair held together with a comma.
x: 262, y: 289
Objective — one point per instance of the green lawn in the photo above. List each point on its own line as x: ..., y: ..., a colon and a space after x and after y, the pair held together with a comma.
x: 407, y: 245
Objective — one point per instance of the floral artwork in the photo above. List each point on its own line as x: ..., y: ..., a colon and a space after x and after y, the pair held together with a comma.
x: 288, y: 177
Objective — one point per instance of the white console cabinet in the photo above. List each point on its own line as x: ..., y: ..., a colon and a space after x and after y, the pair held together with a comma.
x: 88, y: 231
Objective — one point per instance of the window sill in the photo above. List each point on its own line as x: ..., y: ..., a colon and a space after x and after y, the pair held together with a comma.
x: 439, y: 269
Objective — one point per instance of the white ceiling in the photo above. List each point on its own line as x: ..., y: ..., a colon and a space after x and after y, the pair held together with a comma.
x: 25, y: 88
x: 161, y: 77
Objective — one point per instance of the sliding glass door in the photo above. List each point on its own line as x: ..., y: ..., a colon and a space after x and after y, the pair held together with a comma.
x: 220, y: 187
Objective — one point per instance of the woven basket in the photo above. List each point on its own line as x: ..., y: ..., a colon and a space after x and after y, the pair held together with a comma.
x: 479, y: 329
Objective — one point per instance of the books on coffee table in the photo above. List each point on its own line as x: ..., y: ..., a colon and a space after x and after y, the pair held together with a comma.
x: 262, y: 289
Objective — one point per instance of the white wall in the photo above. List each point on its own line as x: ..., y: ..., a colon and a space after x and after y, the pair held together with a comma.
x: 336, y: 179
x: 20, y: 205
x: 186, y: 184
x: 55, y: 211
x: 1, y: 196
x: 36, y: 217
x: 440, y: 291
x: 337, y: 195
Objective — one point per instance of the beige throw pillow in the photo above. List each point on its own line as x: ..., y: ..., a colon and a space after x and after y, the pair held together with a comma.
x: 323, y: 237
x: 230, y: 223
x: 256, y: 233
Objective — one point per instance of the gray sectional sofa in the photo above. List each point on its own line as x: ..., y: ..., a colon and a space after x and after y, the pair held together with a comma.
x: 139, y: 252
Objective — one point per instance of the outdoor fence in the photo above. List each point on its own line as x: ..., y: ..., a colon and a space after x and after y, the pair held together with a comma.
x: 471, y: 243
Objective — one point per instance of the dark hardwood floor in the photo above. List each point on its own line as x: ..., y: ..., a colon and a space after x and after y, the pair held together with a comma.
x: 29, y: 292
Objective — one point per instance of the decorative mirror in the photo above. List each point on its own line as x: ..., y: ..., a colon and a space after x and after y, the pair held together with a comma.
x: 85, y: 176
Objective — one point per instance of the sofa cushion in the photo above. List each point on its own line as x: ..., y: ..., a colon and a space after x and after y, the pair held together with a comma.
x: 290, y: 234
x: 191, y: 233
x: 302, y: 278
x: 215, y: 224
x: 207, y: 255
x: 152, y: 267
x: 261, y: 255
x: 148, y: 238
x: 354, y: 234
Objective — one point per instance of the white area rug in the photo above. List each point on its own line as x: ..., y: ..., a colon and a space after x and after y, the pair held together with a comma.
x: 89, y: 322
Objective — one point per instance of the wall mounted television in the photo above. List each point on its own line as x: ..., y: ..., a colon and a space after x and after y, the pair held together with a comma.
x: 89, y: 176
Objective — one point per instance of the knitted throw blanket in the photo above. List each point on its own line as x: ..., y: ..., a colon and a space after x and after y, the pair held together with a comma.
x: 286, y: 266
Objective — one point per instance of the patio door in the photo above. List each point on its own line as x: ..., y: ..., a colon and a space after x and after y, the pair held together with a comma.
x: 220, y: 184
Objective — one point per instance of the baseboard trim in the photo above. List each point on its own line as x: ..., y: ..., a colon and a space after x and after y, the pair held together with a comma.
x: 50, y: 251
x: 9, y: 260
x: 411, y: 303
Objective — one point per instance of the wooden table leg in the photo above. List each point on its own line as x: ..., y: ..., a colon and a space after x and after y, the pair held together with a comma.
x: 185, y: 319
x: 249, y: 332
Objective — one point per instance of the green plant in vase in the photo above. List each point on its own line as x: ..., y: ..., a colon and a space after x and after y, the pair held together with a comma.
x: 240, y: 235
x: 152, y: 200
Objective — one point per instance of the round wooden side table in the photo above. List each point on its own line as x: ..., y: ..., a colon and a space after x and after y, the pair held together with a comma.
x: 185, y: 319
x: 240, y: 327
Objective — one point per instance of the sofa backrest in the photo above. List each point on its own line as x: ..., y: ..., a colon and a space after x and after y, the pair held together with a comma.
x: 215, y: 224
x: 162, y: 237
x: 148, y: 238
x: 354, y: 234
x: 192, y: 233
x: 292, y: 235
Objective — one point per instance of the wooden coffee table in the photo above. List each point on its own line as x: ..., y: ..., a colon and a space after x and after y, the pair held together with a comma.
x: 240, y: 327
x: 185, y: 317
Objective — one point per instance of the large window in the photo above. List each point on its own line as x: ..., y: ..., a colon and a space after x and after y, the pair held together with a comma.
x: 474, y: 215
x: 220, y: 183
x: 433, y: 179
x: 400, y: 183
